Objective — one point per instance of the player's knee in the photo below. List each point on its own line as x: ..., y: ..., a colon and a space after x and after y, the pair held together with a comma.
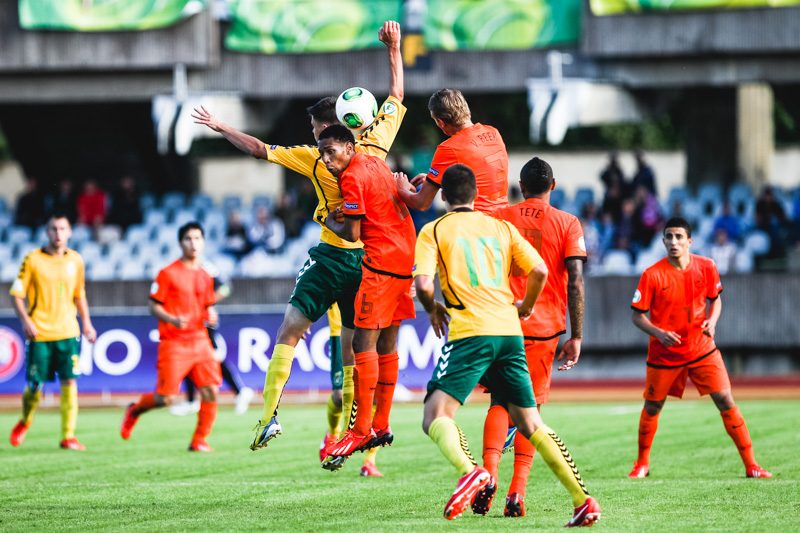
x: 292, y: 328
x: 723, y: 400
x: 34, y: 386
x: 652, y: 407
x: 208, y: 394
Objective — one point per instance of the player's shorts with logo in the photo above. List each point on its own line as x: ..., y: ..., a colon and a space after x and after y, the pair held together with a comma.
x: 330, y: 275
x: 708, y: 374
x: 45, y: 359
x: 383, y: 300
x: 179, y: 358
x: 497, y: 362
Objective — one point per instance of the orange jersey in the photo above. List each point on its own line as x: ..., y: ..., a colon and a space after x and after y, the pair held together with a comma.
x: 677, y: 300
x: 557, y: 236
x: 482, y: 149
x: 387, y: 231
x: 187, y: 293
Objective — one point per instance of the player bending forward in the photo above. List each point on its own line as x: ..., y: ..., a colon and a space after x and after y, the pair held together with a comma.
x: 682, y: 295
x: 181, y: 298
x: 474, y: 255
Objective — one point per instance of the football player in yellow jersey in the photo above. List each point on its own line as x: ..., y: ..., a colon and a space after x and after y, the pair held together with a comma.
x: 332, y: 273
x: 51, y: 279
x: 474, y: 255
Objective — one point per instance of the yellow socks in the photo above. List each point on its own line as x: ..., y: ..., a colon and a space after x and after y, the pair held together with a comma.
x: 348, y: 393
x: 30, y: 401
x: 452, y: 443
x: 369, y: 455
x: 334, y: 413
x: 69, y: 410
x: 277, y: 375
x: 557, y: 457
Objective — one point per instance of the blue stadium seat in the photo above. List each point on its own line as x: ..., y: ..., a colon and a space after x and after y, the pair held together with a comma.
x: 184, y: 215
x: 583, y: 195
x: 617, y: 263
x: 155, y: 217
x: 133, y: 269
x: 102, y: 270
x: 679, y: 193
x: 262, y: 200
x: 116, y: 252
x: 557, y: 198
x: 9, y: 271
x: 744, y: 261
x: 3, y: 205
x: 173, y: 200
x: 201, y: 201
x: 18, y: 234
x: 5, y: 253
x: 80, y: 234
x: 147, y: 201
x: 166, y: 234
x: 710, y: 198
x: 40, y: 235
x: 138, y: 233
x: 90, y: 251
x: 740, y: 197
x: 230, y: 202
x: 757, y: 242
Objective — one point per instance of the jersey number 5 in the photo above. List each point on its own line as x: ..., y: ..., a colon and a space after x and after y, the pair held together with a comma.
x: 487, y: 251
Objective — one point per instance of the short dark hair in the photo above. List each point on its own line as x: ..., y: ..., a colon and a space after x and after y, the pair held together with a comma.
x: 183, y: 230
x: 458, y: 185
x: 58, y: 214
x: 678, y: 222
x: 339, y: 133
x: 536, y: 176
x: 324, y: 110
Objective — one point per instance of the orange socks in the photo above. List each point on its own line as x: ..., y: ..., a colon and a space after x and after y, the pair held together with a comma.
x: 647, y: 431
x: 205, y: 420
x: 388, y: 370
x: 495, y: 429
x: 145, y: 403
x: 366, y: 377
x: 523, y: 459
x: 737, y: 429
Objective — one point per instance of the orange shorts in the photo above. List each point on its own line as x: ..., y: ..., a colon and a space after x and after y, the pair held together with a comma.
x: 180, y: 358
x: 540, y: 355
x: 708, y: 375
x: 382, y: 300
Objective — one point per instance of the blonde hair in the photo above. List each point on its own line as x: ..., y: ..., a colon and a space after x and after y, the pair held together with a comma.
x: 449, y: 106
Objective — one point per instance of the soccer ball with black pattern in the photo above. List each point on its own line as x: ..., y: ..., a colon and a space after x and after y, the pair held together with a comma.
x: 356, y: 108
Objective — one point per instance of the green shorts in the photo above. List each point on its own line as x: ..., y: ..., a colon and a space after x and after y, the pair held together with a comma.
x: 337, y: 371
x: 45, y: 359
x: 498, y: 362
x: 329, y: 275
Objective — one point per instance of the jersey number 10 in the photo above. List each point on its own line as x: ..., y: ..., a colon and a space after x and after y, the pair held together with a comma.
x: 487, y: 251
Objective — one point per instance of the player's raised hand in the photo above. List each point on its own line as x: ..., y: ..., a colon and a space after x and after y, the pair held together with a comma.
x: 418, y: 180
x: 389, y: 34
x: 570, y: 353
x: 202, y: 116
x: 439, y: 319
x: 668, y: 338
x: 708, y: 328
x: 89, y: 333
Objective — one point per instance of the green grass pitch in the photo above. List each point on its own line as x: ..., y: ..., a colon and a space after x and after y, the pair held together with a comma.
x: 151, y: 483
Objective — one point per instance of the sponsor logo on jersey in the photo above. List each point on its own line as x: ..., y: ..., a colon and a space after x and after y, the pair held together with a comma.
x: 582, y: 243
x: 637, y: 296
x: 154, y: 287
x: 389, y: 108
x: 11, y: 353
x: 351, y: 205
x: 273, y: 146
x: 433, y: 172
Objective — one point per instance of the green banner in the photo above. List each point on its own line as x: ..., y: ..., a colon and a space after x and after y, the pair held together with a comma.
x: 271, y: 26
x: 501, y: 24
x: 104, y: 15
x: 615, y: 7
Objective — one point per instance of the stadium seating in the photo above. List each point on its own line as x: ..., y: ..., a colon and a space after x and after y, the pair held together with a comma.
x: 617, y: 263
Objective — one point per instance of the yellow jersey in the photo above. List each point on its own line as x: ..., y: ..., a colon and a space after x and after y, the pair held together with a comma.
x: 375, y: 140
x: 474, y: 254
x: 51, y: 283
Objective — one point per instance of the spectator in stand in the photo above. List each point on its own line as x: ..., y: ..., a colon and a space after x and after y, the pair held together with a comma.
x: 236, y: 243
x: 92, y: 205
x: 64, y: 201
x: 266, y: 232
x: 647, y: 217
x: 612, y: 175
x: 125, y: 210
x: 723, y: 251
x: 612, y: 202
x: 644, y: 177
x: 728, y: 222
x: 30, y: 209
x: 591, y: 234
x: 771, y: 218
x: 608, y: 231
x: 624, y: 236
x: 287, y: 214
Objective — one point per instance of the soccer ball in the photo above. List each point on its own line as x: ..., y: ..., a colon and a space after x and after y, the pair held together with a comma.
x: 356, y: 108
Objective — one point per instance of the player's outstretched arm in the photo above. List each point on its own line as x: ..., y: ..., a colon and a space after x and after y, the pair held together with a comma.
x: 571, y: 351
x: 420, y: 200
x: 244, y: 142
x: 389, y: 34
x: 437, y: 312
x: 536, y: 281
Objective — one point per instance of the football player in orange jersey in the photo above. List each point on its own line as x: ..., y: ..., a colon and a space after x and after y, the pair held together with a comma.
x: 681, y: 293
